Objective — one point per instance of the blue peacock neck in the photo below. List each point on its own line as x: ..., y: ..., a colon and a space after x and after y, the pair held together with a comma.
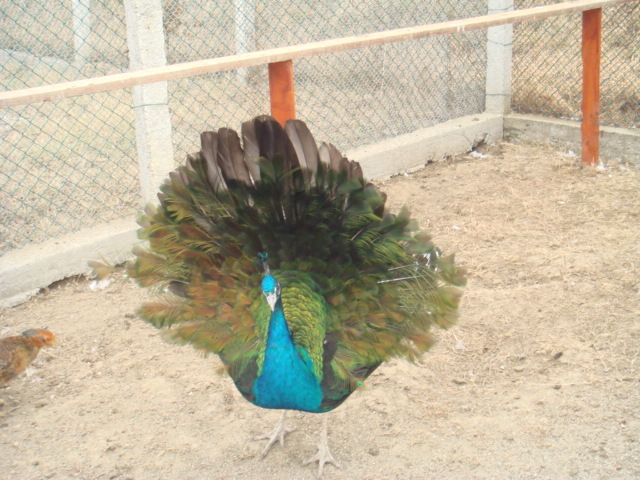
x: 286, y: 380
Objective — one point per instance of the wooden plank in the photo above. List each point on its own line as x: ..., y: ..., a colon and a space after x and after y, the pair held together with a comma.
x: 591, y: 52
x: 200, y: 67
x: 281, y: 91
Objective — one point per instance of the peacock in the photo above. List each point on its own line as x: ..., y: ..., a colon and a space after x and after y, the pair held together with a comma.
x: 277, y: 255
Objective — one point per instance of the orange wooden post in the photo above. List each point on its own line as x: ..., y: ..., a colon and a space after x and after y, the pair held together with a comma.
x: 281, y: 91
x: 591, y: 50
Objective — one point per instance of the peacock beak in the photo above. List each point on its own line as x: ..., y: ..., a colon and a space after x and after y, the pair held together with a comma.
x: 272, y: 298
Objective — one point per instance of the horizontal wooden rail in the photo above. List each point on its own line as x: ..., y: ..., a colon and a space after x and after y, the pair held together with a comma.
x: 200, y: 67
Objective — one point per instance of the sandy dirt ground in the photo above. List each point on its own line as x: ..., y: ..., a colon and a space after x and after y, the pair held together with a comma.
x: 540, y: 379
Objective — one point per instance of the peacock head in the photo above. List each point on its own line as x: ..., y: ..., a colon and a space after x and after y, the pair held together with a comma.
x: 271, y: 290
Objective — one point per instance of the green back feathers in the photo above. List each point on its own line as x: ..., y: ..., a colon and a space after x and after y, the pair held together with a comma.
x: 348, y: 269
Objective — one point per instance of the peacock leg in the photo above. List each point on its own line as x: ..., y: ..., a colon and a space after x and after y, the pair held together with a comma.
x: 324, y: 455
x: 277, y: 434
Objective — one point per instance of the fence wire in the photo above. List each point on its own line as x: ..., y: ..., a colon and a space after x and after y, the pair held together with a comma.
x: 350, y: 98
x: 547, y: 65
x: 72, y: 164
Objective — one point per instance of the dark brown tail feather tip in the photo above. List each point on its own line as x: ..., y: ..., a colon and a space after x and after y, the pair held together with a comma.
x: 224, y: 158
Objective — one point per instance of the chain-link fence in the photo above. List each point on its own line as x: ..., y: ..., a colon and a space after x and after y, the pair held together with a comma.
x: 547, y: 65
x: 351, y: 98
x: 71, y: 164
x: 68, y: 164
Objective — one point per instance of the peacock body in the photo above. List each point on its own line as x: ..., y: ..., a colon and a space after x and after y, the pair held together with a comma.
x: 287, y: 379
x: 278, y: 256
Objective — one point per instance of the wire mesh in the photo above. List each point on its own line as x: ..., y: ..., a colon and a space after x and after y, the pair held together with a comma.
x: 72, y: 164
x: 67, y: 166
x: 350, y: 98
x: 547, y: 66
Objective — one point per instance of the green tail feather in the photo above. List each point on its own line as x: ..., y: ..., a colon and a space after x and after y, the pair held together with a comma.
x: 377, y: 281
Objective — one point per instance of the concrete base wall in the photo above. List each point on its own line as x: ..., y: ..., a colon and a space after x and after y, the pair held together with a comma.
x: 616, y: 144
x: 413, y: 150
x: 24, y: 272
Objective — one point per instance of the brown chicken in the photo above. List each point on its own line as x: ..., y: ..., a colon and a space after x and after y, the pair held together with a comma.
x: 16, y: 353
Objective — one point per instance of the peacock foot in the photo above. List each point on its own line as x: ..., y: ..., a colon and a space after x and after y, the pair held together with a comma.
x: 324, y: 455
x: 276, y: 435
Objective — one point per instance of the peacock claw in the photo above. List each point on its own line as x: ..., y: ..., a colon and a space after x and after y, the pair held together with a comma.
x: 324, y: 455
x: 276, y: 435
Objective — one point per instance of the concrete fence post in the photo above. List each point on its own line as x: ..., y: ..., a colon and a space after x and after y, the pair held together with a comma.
x: 82, y: 18
x: 145, y: 37
x: 245, y: 23
x: 499, y: 52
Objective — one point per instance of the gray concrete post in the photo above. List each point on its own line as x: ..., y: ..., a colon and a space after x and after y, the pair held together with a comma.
x: 245, y: 23
x: 145, y: 38
x: 82, y: 19
x: 499, y: 47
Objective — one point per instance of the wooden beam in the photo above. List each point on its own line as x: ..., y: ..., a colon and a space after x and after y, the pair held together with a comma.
x: 281, y: 91
x: 200, y: 67
x: 591, y: 52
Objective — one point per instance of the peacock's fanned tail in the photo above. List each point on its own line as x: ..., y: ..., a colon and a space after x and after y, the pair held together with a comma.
x: 274, y: 190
